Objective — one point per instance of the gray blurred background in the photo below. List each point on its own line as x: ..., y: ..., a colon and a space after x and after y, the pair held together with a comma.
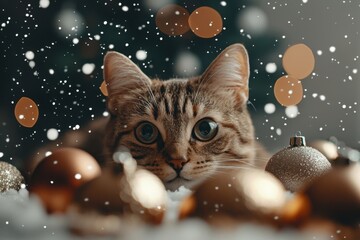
x: 321, y: 25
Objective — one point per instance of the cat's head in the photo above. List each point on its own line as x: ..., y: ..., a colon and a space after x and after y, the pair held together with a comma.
x: 182, y: 130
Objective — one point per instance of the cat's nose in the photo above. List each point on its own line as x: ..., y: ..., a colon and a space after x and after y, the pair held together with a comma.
x: 178, y: 164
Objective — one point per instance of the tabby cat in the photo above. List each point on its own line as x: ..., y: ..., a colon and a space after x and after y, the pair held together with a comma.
x: 182, y: 130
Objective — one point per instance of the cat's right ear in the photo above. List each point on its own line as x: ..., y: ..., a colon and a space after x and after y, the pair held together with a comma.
x: 121, y: 76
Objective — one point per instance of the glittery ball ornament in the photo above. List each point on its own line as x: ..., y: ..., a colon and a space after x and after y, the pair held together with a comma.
x: 297, y: 164
x: 10, y: 177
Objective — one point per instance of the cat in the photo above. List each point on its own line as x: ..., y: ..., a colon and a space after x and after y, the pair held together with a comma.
x: 182, y: 130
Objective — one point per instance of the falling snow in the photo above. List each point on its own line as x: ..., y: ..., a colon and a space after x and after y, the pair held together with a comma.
x: 44, y: 3
x: 52, y: 51
x: 271, y: 67
x: 332, y: 49
x: 52, y: 134
x: 291, y: 111
x: 88, y: 68
x: 269, y: 108
x: 141, y: 55
x: 29, y: 55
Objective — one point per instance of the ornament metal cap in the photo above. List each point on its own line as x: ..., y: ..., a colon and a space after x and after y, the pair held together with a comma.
x: 298, y: 140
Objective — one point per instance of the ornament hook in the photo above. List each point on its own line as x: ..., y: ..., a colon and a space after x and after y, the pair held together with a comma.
x: 298, y: 140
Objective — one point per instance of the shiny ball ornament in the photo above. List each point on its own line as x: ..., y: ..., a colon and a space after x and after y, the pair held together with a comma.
x: 57, y: 176
x: 120, y: 194
x: 10, y: 177
x: 295, y: 211
x: 298, y: 164
x: 336, y: 195
x: 238, y: 195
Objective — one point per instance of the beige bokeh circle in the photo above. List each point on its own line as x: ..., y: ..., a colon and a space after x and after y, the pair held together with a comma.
x: 288, y: 91
x: 103, y: 89
x: 205, y: 22
x: 172, y: 20
x: 298, y: 61
x: 26, y: 112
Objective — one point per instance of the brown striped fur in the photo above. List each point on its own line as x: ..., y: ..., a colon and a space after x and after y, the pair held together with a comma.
x: 174, y: 107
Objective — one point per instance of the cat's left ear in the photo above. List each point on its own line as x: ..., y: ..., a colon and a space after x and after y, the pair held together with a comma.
x: 122, y: 76
x: 229, y: 73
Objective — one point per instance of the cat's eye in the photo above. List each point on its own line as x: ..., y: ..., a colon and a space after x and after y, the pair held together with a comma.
x: 205, y: 129
x: 146, y: 133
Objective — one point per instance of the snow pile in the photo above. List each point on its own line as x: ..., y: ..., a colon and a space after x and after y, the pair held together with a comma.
x: 23, y: 217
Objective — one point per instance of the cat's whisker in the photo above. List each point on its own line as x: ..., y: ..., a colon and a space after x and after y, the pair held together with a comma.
x: 238, y: 161
x: 234, y: 167
x: 234, y: 163
x: 151, y: 93
x: 251, y: 104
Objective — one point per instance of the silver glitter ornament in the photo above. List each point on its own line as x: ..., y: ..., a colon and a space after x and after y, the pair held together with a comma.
x: 297, y: 164
x: 10, y: 177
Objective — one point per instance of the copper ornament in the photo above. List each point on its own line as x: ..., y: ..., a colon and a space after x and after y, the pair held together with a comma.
x: 336, y: 195
x: 241, y: 194
x: 57, y: 176
x: 119, y: 196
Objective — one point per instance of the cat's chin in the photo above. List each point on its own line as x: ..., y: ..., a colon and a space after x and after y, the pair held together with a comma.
x: 177, y: 182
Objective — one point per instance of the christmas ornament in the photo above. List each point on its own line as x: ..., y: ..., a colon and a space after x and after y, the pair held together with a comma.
x: 337, y: 152
x: 336, y: 195
x: 122, y: 193
x: 240, y: 194
x: 297, y: 164
x: 295, y: 211
x: 327, y: 148
x: 10, y: 177
x: 57, y: 176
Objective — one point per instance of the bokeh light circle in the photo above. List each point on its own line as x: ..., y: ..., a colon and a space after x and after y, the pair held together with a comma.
x: 172, y: 20
x: 205, y: 22
x: 103, y: 89
x: 26, y: 112
x: 298, y: 61
x: 288, y: 91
